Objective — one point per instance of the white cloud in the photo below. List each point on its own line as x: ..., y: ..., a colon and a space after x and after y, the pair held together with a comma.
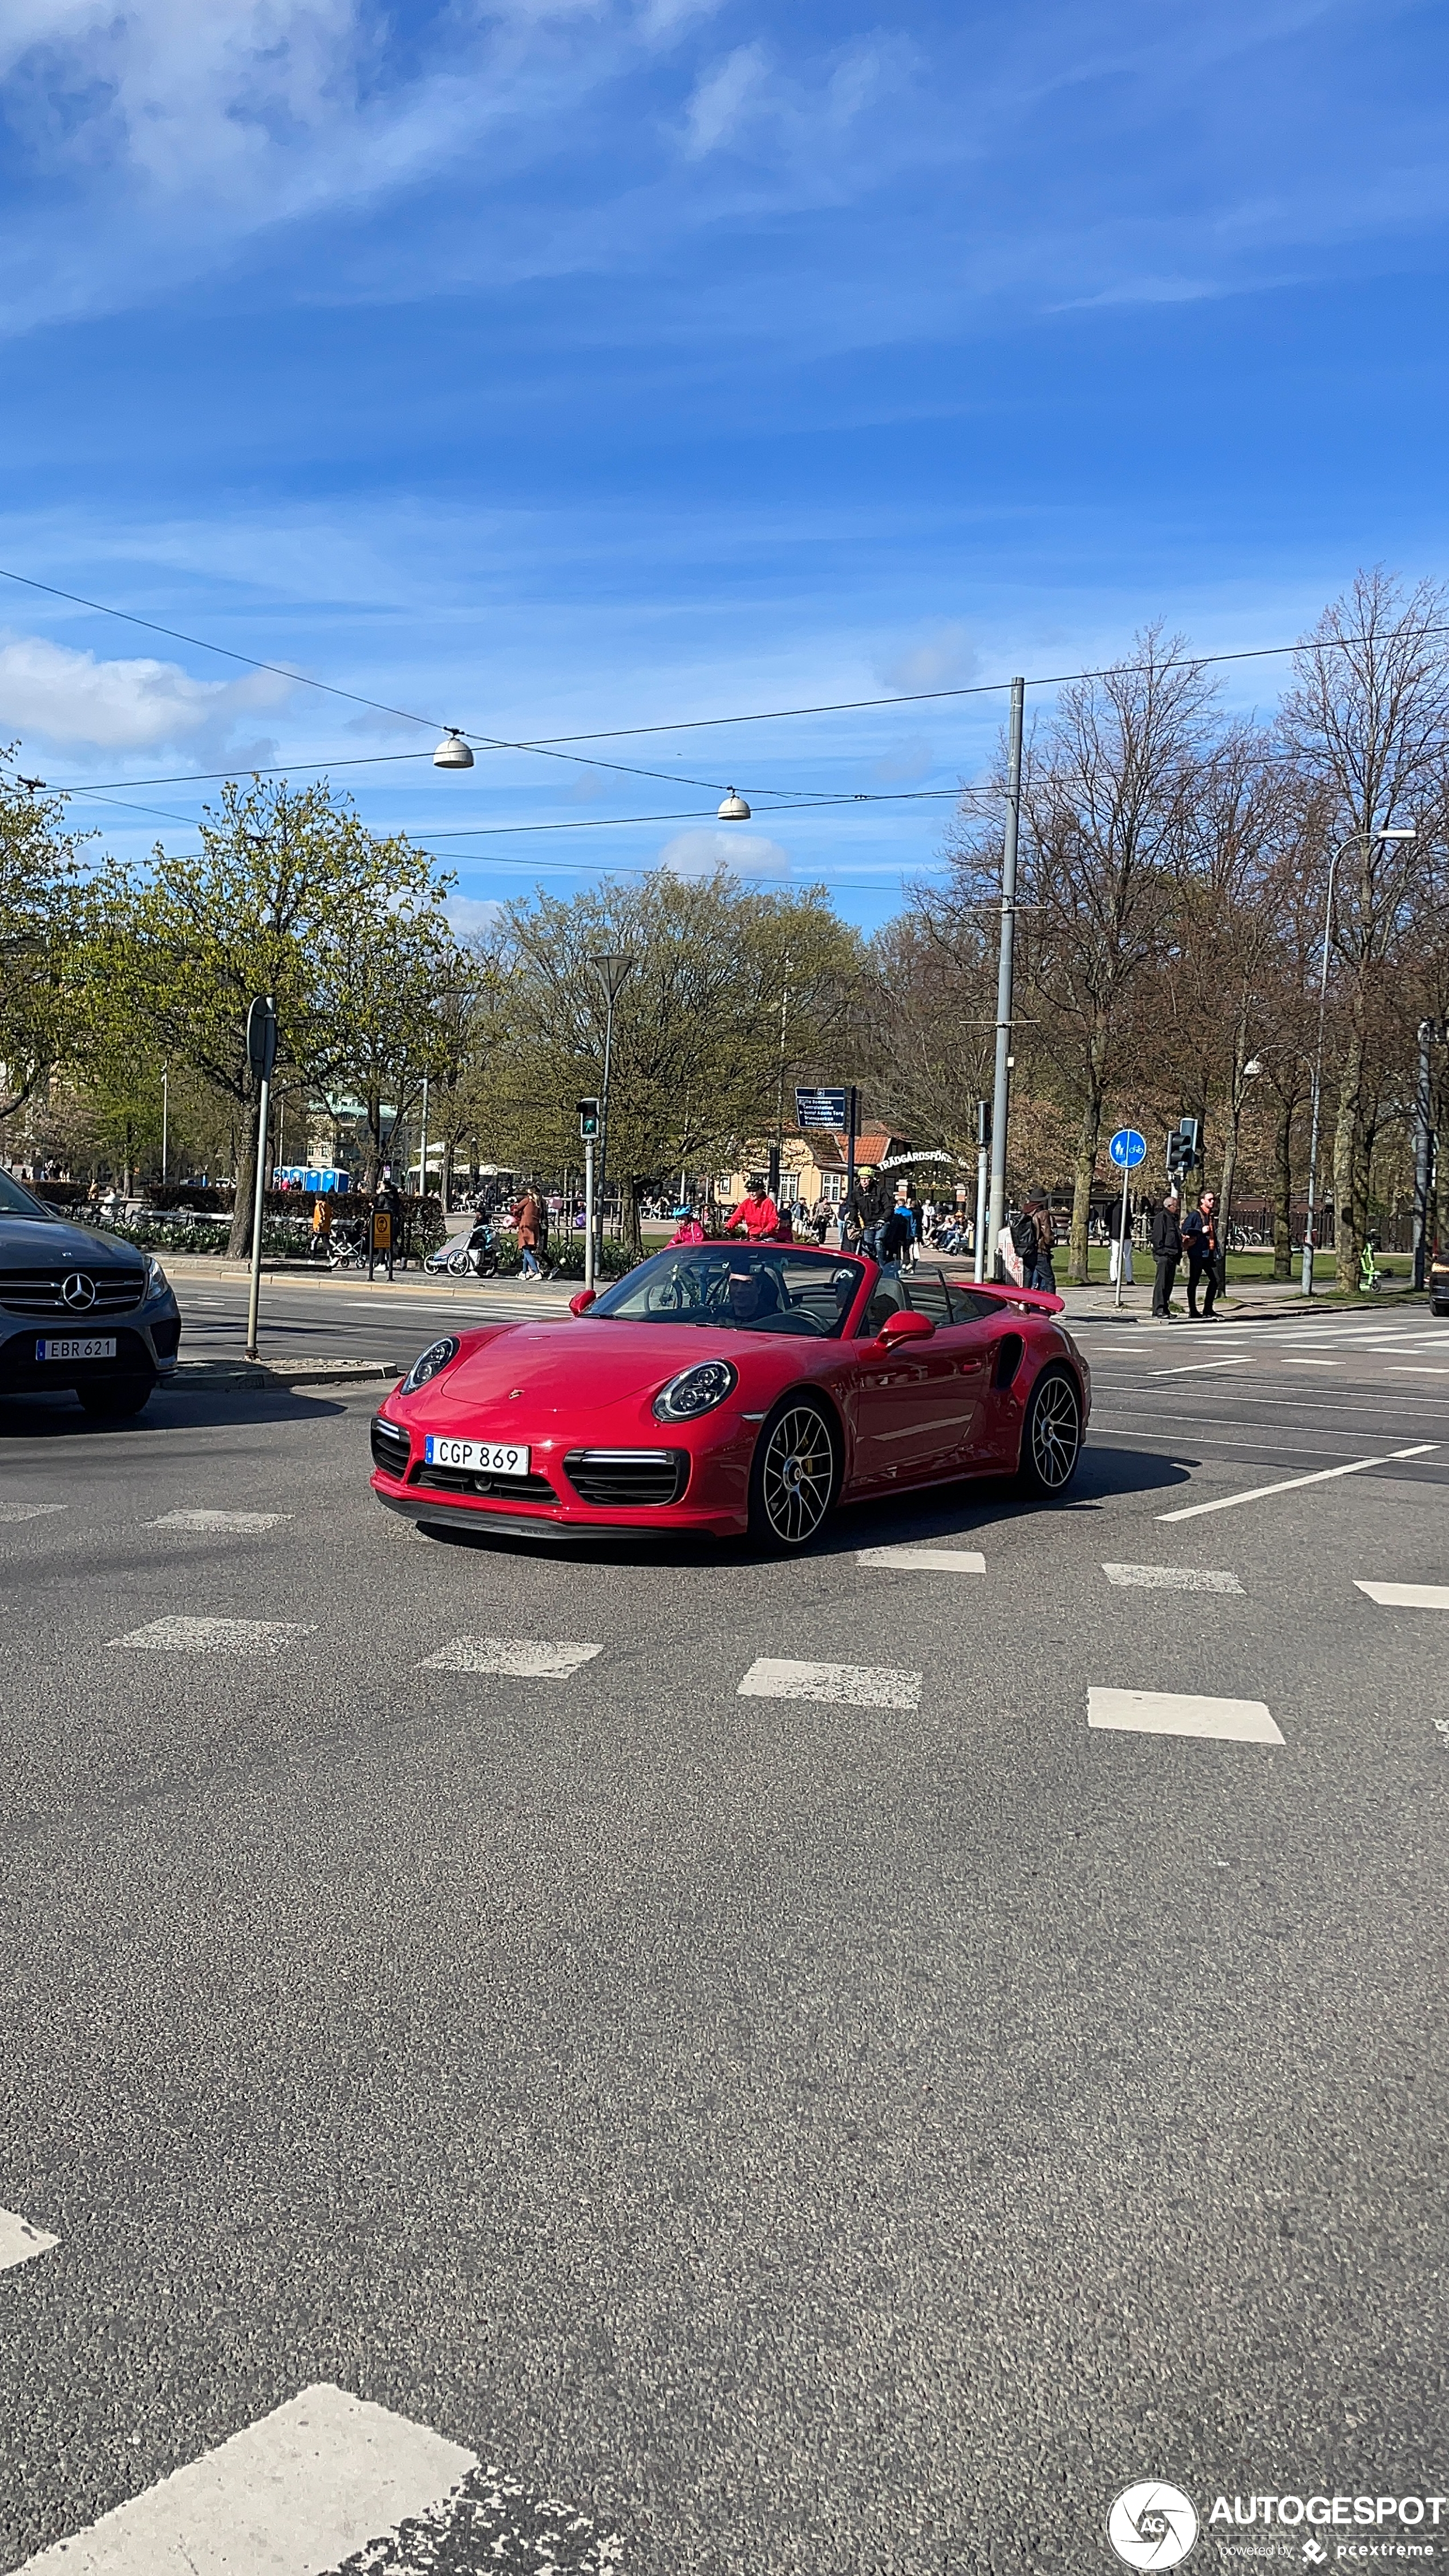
x: 905, y: 764
x: 745, y: 854
x: 720, y: 100
x: 71, y: 699
x: 471, y: 914
x: 942, y: 657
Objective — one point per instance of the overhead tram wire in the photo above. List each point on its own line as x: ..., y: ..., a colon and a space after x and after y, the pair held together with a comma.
x: 555, y: 744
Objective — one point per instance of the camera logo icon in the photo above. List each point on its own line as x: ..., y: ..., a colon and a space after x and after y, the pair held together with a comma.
x: 1152, y: 2524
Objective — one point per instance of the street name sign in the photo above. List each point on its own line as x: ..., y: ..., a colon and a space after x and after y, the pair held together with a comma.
x: 822, y: 1109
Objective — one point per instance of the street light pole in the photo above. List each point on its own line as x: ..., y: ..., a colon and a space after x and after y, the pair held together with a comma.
x: 1002, y: 1073
x: 1431, y: 1033
x: 611, y: 967
x: 1389, y: 832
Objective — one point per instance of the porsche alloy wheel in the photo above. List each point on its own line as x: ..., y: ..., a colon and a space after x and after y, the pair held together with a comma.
x: 1051, y: 1439
x: 792, y: 1482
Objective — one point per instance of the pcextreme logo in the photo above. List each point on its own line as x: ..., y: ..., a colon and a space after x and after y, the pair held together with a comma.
x: 1152, y: 2524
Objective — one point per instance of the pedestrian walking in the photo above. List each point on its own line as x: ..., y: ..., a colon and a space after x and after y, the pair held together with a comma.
x: 1010, y: 1268
x: 1121, y: 1245
x: 1166, y: 1252
x: 527, y: 1216
x: 1200, y: 1243
x: 1040, y: 1274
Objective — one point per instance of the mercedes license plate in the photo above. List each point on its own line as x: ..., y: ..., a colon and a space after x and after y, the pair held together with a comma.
x: 76, y: 1346
x: 489, y: 1457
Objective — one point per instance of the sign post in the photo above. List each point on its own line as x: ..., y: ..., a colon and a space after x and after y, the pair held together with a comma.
x: 837, y: 1110
x: 1127, y: 1149
x: 588, y: 1129
x: 983, y: 1154
x: 262, y: 1057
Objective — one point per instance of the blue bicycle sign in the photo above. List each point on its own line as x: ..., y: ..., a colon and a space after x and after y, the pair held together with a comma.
x: 1128, y: 1148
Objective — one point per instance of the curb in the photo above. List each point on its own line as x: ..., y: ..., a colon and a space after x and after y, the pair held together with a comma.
x: 194, y: 1377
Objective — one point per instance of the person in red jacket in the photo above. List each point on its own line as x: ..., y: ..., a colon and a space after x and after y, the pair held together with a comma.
x: 756, y: 1212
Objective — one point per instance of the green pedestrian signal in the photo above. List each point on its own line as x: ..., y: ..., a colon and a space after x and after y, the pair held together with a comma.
x: 588, y: 1117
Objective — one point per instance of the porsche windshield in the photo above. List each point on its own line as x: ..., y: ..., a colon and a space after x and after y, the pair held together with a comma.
x: 742, y: 1288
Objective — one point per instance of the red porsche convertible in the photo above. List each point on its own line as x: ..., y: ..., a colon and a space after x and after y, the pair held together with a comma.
x: 730, y: 1387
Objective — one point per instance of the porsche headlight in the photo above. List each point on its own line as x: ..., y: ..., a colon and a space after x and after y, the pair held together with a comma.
x: 695, y: 1391
x: 430, y: 1364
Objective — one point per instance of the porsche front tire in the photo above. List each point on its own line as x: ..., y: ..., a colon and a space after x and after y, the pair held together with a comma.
x: 1051, y: 1436
x: 795, y: 1476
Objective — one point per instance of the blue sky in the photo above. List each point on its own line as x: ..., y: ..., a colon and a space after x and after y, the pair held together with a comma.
x: 593, y: 363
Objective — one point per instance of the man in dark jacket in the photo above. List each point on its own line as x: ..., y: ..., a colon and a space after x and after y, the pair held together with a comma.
x: 1166, y: 1252
x: 869, y: 1212
x: 1200, y: 1243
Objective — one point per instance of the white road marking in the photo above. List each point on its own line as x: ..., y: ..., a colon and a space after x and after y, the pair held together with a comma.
x: 203, y: 1520
x: 217, y: 1636
x: 1259, y: 1493
x: 29, y: 1511
x: 1408, y: 1596
x: 19, y: 2240
x: 1310, y: 1363
x: 535, y: 1659
x: 840, y: 1685
x: 1171, y: 1578
x: 293, y: 2494
x: 1406, y: 1368
x: 929, y: 1560
x: 1222, y: 1721
x: 1191, y: 1368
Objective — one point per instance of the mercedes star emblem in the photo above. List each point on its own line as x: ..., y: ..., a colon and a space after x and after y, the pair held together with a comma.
x: 78, y: 1292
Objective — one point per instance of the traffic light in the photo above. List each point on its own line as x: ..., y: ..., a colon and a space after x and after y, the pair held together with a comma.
x: 588, y: 1117
x: 1184, y: 1147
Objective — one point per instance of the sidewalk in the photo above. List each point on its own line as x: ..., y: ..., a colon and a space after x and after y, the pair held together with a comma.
x: 1247, y: 1300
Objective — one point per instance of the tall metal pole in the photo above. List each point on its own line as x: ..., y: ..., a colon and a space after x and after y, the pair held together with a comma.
x: 983, y: 1158
x: 588, y: 1211
x: 1122, y: 1239
x: 1422, y: 1147
x: 254, y: 1299
x: 1308, y: 1227
x: 165, y: 1107
x: 604, y: 1114
x: 423, y: 1145
x: 1001, y: 1078
x: 852, y: 1099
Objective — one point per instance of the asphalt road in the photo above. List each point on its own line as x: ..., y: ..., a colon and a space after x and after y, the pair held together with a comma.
x: 770, y: 2136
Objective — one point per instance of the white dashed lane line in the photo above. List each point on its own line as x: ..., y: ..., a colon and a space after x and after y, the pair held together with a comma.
x: 925, y: 1560
x: 838, y: 1685
x: 1195, y: 1368
x: 1290, y: 1484
x: 1170, y: 1578
x: 535, y: 1659
x: 1220, y: 1721
x: 293, y: 2494
x: 203, y: 1520
x: 19, y: 2241
x: 1407, y: 1596
x: 30, y: 1511
x: 218, y: 1636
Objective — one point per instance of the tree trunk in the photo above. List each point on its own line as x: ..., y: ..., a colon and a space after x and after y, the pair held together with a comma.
x: 1283, y: 1191
x: 1088, y: 1140
x: 1347, y: 1222
x: 239, y: 1242
x: 633, y: 1237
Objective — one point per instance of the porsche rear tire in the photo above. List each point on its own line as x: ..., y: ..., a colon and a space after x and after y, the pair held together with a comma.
x: 1051, y: 1436
x: 795, y: 1476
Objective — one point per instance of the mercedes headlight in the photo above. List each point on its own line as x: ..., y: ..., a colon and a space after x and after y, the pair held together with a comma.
x: 695, y: 1391
x: 430, y: 1364
x: 155, y: 1277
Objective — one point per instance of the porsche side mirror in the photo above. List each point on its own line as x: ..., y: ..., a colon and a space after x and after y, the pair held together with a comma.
x: 580, y: 1305
x: 905, y: 1326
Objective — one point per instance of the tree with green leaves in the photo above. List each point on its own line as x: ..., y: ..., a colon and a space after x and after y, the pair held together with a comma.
x: 290, y: 895
x: 48, y: 905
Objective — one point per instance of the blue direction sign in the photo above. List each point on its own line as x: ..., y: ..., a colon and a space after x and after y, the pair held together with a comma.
x: 1128, y: 1148
x: 823, y: 1109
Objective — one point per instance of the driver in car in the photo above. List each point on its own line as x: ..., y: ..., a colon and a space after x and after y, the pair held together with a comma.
x: 751, y: 1294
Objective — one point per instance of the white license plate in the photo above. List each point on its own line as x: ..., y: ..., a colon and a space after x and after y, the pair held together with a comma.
x: 490, y: 1457
x: 77, y: 1346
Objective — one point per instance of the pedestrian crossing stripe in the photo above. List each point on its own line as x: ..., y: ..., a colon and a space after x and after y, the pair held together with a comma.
x: 1407, y: 1596
x: 217, y: 1636
x: 1220, y: 1721
x: 837, y: 1685
x: 543, y: 1659
x: 328, y: 2484
x: 20, y: 2241
x: 30, y: 1511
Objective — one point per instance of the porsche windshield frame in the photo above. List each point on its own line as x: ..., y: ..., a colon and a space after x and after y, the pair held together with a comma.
x: 739, y: 1288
